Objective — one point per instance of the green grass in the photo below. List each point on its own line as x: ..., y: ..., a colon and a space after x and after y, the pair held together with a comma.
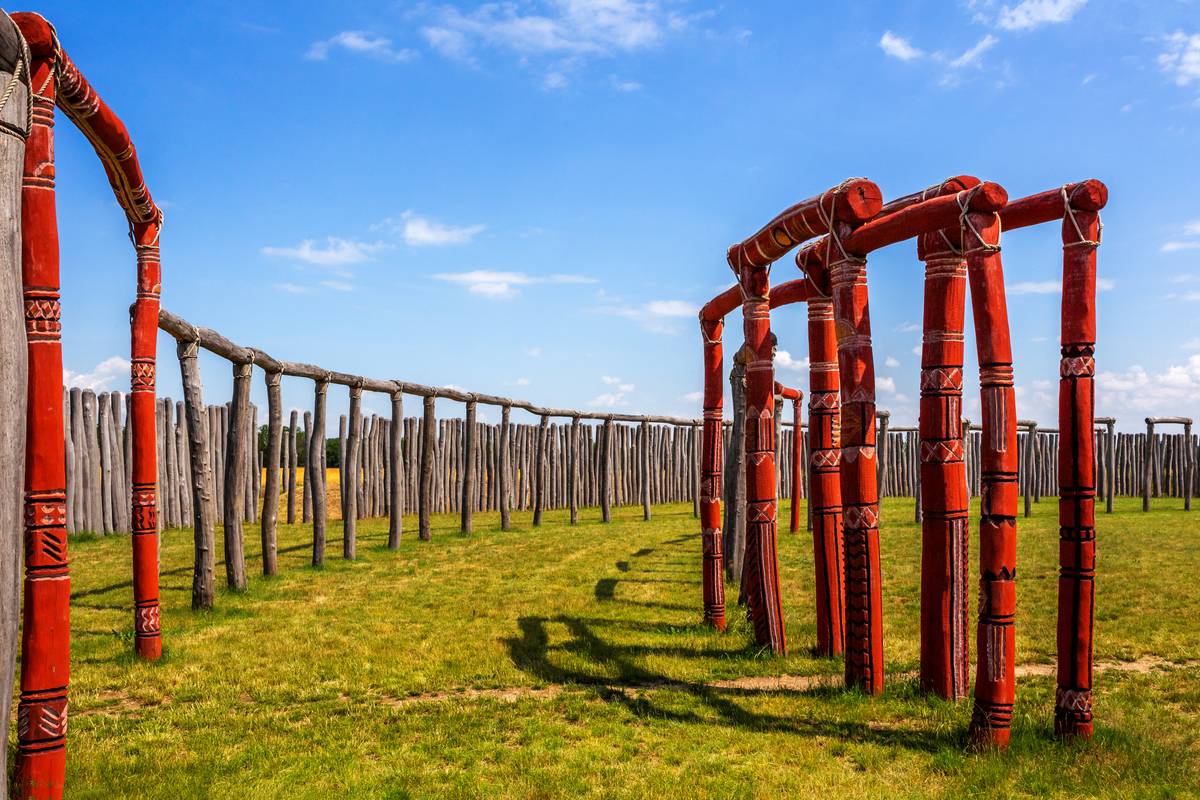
x: 347, y: 681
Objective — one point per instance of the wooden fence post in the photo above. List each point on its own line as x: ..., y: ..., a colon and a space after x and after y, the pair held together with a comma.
x: 203, y: 501
x: 314, y: 470
x: 270, y: 508
x: 428, y: 443
x: 539, y: 471
x: 573, y: 471
x: 505, y: 464
x: 1148, y: 464
x: 235, y: 478
x: 645, y: 469
x: 606, y: 470
x: 470, y: 445
x: 306, y: 489
x: 351, y: 470
x: 396, y: 471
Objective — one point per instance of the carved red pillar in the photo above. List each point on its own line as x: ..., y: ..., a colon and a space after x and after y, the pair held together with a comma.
x: 711, y: 461
x: 945, y: 660
x: 146, y: 626
x: 1076, y: 473
x: 994, y: 671
x: 825, y: 480
x: 761, y: 574
x: 860, y: 495
x: 45, y: 635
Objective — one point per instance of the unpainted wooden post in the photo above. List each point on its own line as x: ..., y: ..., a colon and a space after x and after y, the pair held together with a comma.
x: 573, y: 471
x: 306, y: 501
x: 351, y: 452
x: 315, y: 470
x: 235, y: 478
x: 645, y: 468
x: 203, y: 502
x: 396, y: 472
x: 539, y: 471
x: 428, y: 445
x: 1148, y: 468
x: 503, y: 470
x: 1189, y: 466
x: 291, y: 468
x: 470, y: 443
x: 270, y: 508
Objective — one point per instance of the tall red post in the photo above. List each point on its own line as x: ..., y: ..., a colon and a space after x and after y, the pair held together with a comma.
x: 797, y: 460
x: 945, y: 660
x: 45, y: 635
x: 711, y: 461
x: 825, y: 481
x: 860, y: 493
x: 1077, y: 473
x: 994, y: 640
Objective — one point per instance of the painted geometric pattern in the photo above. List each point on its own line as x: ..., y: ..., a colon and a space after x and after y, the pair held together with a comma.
x: 1075, y: 701
x: 941, y: 379
x: 942, y: 452
x: 43, y: 316
x: 860, y: 517
x: 1078, y: 367
x: 141, y: 375
x: 145, y: 513
x: 146, y: 621
x: 761, y: 511
x: 823, y: 400
x: 42, y: 720
x: 825, y: 458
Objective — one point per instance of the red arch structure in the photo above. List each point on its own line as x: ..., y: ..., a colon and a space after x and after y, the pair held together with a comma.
x: 42, y: 710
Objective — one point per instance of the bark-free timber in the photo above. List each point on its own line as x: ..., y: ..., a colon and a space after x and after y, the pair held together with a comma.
x: 351, y: 469
x: 469, y: 454
x: 235, y: 478
x: 315, y: 470
x: 428, y: 442
x: 203, y: 498
x: 539, y: 471
x: 395, y: 472
x: 270, y: 507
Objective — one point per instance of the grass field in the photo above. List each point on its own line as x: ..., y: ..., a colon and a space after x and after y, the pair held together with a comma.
x: 569, y: 662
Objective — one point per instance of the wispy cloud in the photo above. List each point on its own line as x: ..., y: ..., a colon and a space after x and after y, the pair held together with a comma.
x: 360, y: 43
x: 656, y: 316
x: 555, y: 35
x: 334, y: 252
x: 784, y: 360
x: 899, y: 47
x: 692, y: 397
x: 1030, y: 14
x: 614, y: 398
x: 1188, y: 229
x: 891, y: 361
x: 1180, y: 58
x: 1139, y: 392
x: 504, y: 285
x: 972, y: 56
x: 110, y: 373
x: 419, y: 231
x: 1052, y: 287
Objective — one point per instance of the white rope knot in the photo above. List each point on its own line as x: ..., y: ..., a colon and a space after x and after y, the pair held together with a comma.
x: 963, y: 199
x: 1070, y: 214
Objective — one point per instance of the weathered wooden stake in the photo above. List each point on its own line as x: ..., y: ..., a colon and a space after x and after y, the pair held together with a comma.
x: 270, y: 508
x: 235, y: 478
x: 425, y: 492
x: 315, y: 471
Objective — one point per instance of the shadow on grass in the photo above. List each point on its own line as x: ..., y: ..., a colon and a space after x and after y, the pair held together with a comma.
x: 617, y: 677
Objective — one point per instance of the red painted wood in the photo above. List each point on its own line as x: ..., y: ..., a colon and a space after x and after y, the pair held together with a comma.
x: 945, y: 658
x: 1089, y: 195
x: 854, y: 201
x: 111, y: 142
x: 45, y: 635
x: 797, y: 398
x: 994, y: 643
x: 711, y: 463
x: 1076, y: 461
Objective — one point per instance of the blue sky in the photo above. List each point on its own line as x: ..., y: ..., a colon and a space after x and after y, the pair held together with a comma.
x: 533, y: 198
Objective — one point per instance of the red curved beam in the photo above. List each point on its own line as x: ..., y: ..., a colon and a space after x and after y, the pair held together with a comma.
x: 42, y: 713
x: 1086, y: 196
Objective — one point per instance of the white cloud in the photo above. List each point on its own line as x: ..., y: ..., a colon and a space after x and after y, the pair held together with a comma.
x: 1193, y: 344
x: 784, y: 360
x: 360, y: 43
x: 1190, y: 296
x: 418, y: 231
x: 891, y: 361
x: 503, y: 285
x: 621, y: 385
x: 1030, y: 14
x: 899, y: 47
x: 972, y: 56
x: 556, y: 36
x: 693, y: 397
x: 1176, y: 246
x: 656, y: 316
x: 909, y: 327
x: 110, y: 371
x: 1180, y: 60
x: 521, y: 381
x: 886, y: 384
x: 339, y: 286
x: 608, y: 400
x: 292, y: 288
x: 1136, y: 392
x: 334, y: 252
x: 1053, y: 287
x: 625, y: 86
x: 533, y: 352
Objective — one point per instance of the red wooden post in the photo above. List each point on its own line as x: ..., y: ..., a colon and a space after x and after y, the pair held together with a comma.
x: 1076, y: 472
x: 797, y: 460
x: 945, y: 660
x: 45, y: 634
x: 860, y: 494
x: 994, y: 671
x: 711, y: 461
